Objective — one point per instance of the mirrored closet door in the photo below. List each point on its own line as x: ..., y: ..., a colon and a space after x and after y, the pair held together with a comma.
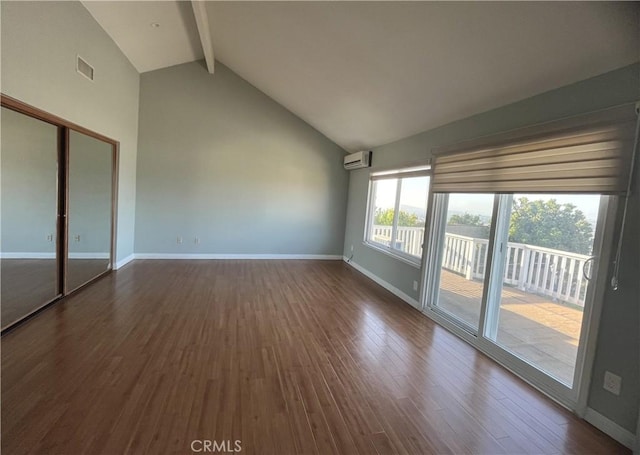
x: 89, y: 182
x: 57, y: 209
x: 29, y: 261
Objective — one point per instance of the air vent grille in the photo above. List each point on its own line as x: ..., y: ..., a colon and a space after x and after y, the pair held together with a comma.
x: 84, y: 68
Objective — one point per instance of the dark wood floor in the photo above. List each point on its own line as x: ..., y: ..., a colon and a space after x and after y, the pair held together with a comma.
x: 27, y: 284
x: 287, y: 357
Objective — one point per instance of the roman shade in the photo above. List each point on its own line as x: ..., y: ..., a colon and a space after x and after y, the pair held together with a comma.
x: 585, y: 154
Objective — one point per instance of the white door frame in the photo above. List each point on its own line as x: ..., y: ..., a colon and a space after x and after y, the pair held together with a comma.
x: 603, y: 242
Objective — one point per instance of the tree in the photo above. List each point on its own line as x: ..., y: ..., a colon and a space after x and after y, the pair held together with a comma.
x: 466, y: 220
x: 550, y: 225
x: 384, y: 217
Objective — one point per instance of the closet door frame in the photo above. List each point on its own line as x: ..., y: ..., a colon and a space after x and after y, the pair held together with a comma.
x: 62, y: 240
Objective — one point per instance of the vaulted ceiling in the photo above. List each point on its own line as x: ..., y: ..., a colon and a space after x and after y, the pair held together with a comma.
x: 368, y: 73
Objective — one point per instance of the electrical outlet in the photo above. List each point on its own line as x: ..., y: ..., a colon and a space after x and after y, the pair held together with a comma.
x: 196, y: 240
x: 77, y: 238
x: 50, y: 238
x: 352, y: 248
x: 415, y: 285
x: 178, y: 240
x: 612, y: 383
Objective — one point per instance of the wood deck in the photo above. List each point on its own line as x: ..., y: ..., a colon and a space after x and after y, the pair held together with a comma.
x: 540, y: 331
x: 285, y: 356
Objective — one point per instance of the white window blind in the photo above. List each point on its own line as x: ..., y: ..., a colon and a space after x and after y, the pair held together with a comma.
x: 585, y: 154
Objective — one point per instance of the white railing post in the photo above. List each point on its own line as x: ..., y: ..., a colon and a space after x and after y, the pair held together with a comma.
x: 524, y: 268
x: 470, y: 257
x: 481, y: 261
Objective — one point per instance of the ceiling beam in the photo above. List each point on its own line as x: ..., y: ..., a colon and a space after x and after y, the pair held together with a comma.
x: 202, y: 21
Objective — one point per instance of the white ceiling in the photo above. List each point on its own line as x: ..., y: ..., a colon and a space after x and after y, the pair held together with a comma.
x: 368, y: 73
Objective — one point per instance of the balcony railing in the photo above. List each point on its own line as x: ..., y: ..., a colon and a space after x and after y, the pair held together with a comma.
x: 543, y: 271
x: 410, y: 239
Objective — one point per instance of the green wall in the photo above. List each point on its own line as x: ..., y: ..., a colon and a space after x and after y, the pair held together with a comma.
x: 618, y: 344
x: 221, y: 161
x: 618, y: 347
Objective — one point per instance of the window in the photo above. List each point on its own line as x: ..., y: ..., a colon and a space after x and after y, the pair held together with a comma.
x: 397, y: 211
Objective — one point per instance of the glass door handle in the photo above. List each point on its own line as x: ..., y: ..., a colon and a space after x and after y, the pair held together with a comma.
x: 584, y: 268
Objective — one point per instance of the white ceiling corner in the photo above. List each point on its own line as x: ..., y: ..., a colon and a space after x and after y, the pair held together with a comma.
x: 175, y: 41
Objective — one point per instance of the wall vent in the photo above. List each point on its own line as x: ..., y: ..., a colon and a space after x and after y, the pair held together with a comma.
x: 84, y: 68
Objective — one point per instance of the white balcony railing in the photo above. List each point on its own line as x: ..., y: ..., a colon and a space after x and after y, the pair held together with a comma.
x: 410, y: 239
x: 543, y: 271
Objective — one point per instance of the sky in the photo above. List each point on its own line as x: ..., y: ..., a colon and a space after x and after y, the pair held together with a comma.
x: 482, y: 204
x: 414, y: 192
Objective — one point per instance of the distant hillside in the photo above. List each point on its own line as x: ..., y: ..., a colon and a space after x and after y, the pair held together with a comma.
x: 417, y: 211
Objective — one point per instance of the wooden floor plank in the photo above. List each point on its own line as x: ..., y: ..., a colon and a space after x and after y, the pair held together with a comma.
x: 287, y: 357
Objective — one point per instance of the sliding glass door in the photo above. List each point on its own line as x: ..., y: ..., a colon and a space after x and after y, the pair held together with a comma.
x: 521, y: 284
x: 515, y: 271
x: 542, y: 272
x: 464, y: 224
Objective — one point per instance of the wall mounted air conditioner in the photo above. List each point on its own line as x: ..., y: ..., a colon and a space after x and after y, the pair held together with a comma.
x: 357, y: 160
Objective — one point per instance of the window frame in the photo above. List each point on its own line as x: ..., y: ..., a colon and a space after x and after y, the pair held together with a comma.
x: 414, y: 171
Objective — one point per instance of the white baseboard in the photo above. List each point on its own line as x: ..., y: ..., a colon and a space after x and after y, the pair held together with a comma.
x: 53, y: 255
x: 27, y: 255
x: 179, y: 256
x: 389, y: 287
x: 89, y: 255
x: 122, y: 262
x: 608, y: 426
